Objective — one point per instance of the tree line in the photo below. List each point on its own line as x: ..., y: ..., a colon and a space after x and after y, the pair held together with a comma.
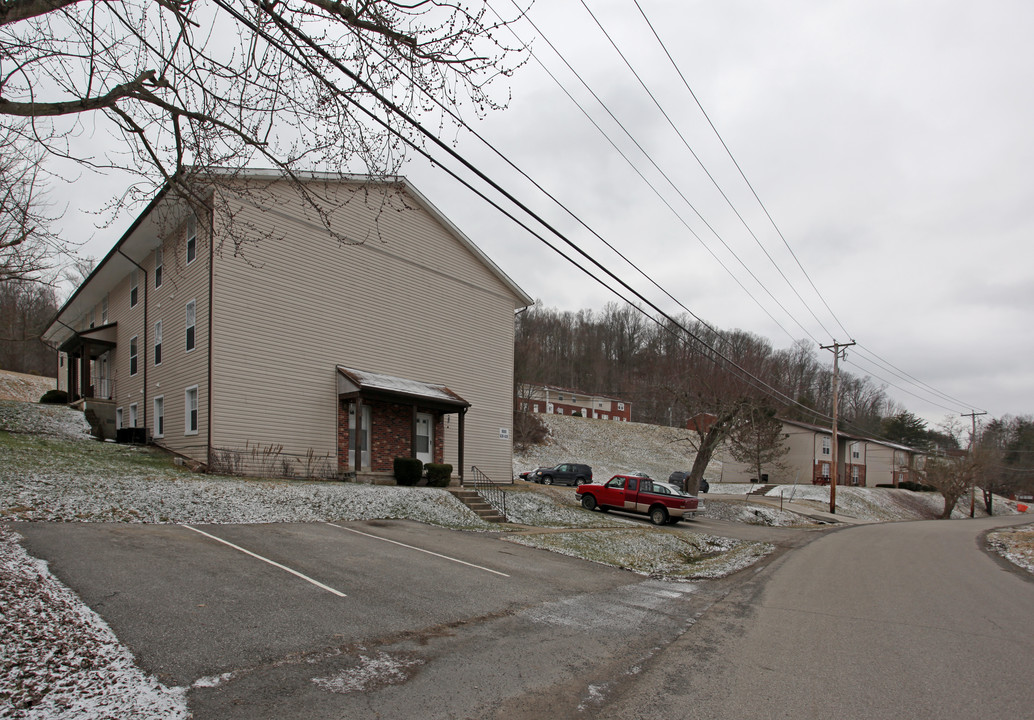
x: 738, y: 381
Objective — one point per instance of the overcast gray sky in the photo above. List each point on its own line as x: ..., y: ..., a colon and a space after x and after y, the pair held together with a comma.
x: 890, y: 141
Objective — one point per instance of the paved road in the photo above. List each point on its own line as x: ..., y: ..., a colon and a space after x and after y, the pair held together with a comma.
x: 392, y: 619
x: 900, y: 620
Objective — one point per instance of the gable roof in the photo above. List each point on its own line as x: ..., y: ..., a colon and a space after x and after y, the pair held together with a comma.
x: 143, y: 236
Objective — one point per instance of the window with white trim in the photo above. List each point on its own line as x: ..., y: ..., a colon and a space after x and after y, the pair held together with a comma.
x: 159, y: 417
x: 825, y: 470
x: 133, y: 415
x: 191, y: 239
x: 159, y: 266
x: 132, y: 356
x: 158, y: 343
x: 621, y: 406
x: 191, y: 323
x: 826, y: 445
x: 104, y: 310
x: 190, y: 411
x: 118, y: 418
x: 134, y: 289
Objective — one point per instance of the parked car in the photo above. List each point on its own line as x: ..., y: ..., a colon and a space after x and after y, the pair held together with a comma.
x: 630, y: 493
x: 526, y: 475
x: 678, y: 479
x: 564, y: 473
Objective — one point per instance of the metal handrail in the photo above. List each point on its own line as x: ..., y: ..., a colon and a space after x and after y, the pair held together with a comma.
x: 489, y: 490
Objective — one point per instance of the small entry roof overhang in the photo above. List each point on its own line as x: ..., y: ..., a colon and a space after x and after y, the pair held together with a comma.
x: 353, y: 383
x: 100, y: 339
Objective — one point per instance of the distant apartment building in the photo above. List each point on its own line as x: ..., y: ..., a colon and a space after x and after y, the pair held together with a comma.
x: 565, y: 401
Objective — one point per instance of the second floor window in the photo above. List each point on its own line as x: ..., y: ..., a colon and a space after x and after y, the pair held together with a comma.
x: 826, y: 446
x: 104, y: 310
x: 191, y: 322
x: 159, y: 264
x: 132, y: 356
x: 191, y: 239
x: 134, y: 289
x: 158, y: 343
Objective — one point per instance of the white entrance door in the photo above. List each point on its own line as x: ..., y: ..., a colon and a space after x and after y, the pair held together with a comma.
x: 365, y: 436
x: 425, y: 437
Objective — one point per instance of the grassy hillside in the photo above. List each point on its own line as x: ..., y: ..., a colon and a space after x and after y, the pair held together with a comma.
x: 613, y: 447
x: 26, y: 388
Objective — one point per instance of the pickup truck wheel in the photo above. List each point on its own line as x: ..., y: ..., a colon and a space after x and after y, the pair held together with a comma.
x: 658, y: 516
x: 588, y: 502
x: 547, y: 480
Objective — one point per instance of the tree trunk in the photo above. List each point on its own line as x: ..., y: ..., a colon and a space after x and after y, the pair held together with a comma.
x: 708, y: 444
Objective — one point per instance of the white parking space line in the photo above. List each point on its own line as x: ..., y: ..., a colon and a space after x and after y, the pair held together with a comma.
x: 411, y: 547
x: 306, y: 578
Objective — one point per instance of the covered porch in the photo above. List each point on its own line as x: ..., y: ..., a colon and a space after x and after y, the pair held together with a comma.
x: 381, y: 417
x: 88, y: 371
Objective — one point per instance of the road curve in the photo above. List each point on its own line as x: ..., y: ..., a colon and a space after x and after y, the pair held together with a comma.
x: 897, y: 620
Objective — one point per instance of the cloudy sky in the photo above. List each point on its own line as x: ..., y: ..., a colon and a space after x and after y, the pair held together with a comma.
x: 891, y: 143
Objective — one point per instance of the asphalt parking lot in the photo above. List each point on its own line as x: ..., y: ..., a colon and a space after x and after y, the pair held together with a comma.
x: 200, y: 601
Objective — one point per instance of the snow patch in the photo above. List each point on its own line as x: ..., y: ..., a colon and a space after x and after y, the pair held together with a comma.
x: 369, y: 673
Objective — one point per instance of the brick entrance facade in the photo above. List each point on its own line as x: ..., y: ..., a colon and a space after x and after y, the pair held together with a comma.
x: 391, y: 435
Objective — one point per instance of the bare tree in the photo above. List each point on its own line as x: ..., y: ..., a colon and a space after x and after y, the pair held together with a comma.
x: 953, y: 474
x: 29, y: 250
x: 184, y: 86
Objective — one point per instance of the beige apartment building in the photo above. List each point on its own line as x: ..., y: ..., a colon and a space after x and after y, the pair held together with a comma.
x: 279, y: 339
x: 861, y: 461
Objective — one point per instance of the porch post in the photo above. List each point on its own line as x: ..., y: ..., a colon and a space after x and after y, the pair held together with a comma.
x: 73, y: 376
x: 463, y: 414
x: 86, y: 369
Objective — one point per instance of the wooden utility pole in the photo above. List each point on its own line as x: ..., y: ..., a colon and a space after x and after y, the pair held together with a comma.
x: 972, y: 446
x: 839, y: 351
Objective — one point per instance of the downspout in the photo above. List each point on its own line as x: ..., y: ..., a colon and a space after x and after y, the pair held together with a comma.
x: 211, y: 299
x: 145, y: 328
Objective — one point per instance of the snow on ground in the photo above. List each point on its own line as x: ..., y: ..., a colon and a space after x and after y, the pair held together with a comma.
x: 609, y: 447
x: 59, y: 659
x: 671, y: 555
x: 1015, y: 544
x: 26, y: 388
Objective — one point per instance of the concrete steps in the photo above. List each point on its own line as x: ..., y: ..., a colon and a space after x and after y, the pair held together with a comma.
x: 475, y: 502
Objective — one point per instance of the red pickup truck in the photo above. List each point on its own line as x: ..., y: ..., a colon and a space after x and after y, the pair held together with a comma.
x: 631, y: 493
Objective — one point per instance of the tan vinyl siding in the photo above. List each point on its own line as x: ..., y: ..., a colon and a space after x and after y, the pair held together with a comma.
x: 180, y: 369
x: 410, y: 301
x: 127, y: 389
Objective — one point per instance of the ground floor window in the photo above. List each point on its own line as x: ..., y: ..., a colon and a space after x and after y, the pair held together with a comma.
x: 159, y: 416
x: 191, y: 420
x: 132, y: 415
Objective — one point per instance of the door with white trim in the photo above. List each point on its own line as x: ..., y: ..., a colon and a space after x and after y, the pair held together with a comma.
x: 365, y: 436
x: 425, y: 437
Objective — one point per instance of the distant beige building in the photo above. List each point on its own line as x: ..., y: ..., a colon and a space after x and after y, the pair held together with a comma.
x: 289, y: 350
x: 553, y: 400
x: 861, y: 461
